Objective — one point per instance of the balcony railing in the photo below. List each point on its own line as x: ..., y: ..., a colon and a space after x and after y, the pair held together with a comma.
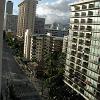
x: 91, y: 5
x: 75, y: 33
x: 77, y: 7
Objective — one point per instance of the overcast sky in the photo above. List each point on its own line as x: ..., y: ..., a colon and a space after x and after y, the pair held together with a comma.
x: 52, y: 10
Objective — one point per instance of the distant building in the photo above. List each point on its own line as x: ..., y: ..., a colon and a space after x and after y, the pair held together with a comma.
x: 39, y: 25
x: 39, y: 46
x: 9, y: 7
x: 56, y: 29
x: 11, y: 23
x: 26, y: 18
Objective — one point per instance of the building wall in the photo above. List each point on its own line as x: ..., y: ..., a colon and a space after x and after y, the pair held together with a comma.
x: 2, y: 4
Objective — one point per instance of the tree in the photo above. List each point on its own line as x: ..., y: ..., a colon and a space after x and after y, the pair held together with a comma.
x: 55, y: 69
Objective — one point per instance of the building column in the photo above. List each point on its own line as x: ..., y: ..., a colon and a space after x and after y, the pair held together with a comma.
x: 2, y: 5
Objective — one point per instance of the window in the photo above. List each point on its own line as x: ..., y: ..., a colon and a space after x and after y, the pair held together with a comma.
x: 84, y: 6
x: 83, y: 14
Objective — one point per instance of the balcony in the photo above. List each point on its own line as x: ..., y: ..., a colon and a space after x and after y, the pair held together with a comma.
x: 85, y: 64
x: 75, y: 85
x: 83, y: 14
x: 87, y: 43
x: 74, y: 40
x: 70, y: 82
x: 81, y: 90
x: 84, y: 7
x: 90, y: 20
x: 75, y: 33
x: 90, y: 13
x: 76, y: 21
x: 91, y: 5
x: 86, y: 57
x: 84, y: 71
x: 72, y: 65
x: 79, y: 55
x: 73, y: 53
x: 77, y: 7
x: 78, y: 68
x: 81, y: 41
x: 75, y: 27
x: 83, y: 21
x: 81, y: 35
x: 87, y: 50
x: 74, y: 46
x: 71, y: 75
x: 83, y: 78
x: 71, y: 71
x: 77, y: 74
x: 82, y: 84
x: 80, y: 48
x: 88, y: 35
x: 76, y: 80
x: 77, y: 14
x: 79, y: 62
x: 72, y: 59
x: 82, y: 28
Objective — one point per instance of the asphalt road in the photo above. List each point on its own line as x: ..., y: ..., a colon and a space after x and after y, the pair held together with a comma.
x: 11, y: 71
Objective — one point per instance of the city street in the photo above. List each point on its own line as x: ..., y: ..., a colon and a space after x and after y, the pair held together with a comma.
x: 11, y: 72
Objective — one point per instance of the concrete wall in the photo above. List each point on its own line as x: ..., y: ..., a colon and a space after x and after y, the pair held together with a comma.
x: 2, y: 3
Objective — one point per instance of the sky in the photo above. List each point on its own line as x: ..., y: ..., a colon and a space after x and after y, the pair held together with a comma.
x: 51, y: 10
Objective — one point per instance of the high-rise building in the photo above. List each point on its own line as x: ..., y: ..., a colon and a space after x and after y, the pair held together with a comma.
x: 39, y: 46
x: 82, y: 70
x: 2, y: 4
x: 11, y: 24
x: 26, y: 18
x: 9, y: 7
x: 39, y: 25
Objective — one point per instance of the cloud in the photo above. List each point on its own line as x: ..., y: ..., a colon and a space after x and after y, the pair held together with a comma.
x: 57, y: 11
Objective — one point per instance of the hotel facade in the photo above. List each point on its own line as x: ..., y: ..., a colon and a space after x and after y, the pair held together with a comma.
x: 82, y: 69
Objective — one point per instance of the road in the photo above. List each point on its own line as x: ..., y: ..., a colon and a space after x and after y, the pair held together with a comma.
x: 11, y: 71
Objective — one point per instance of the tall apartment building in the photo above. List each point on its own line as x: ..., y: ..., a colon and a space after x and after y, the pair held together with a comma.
x: 26, y: 18
x: 2, y: 4
x: 9, y: 7
x: 39, y: 25
x: 44, y: 45
x: 11, y: 24
x: 82, y: 70
x: 39, y: 46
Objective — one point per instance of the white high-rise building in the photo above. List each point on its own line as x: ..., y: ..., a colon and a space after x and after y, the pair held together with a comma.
x: 82, y: 70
